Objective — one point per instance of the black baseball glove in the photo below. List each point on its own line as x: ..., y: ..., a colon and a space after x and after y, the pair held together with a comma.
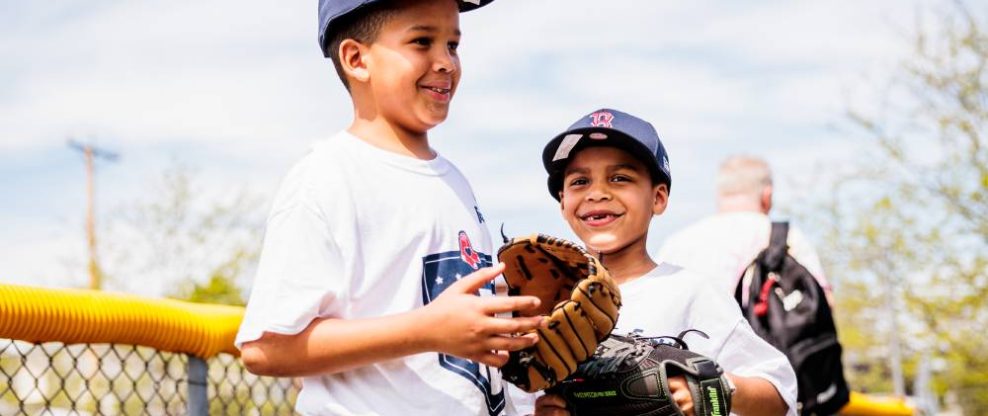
x: 629, y: 375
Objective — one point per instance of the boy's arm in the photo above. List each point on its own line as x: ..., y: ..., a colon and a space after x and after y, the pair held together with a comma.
x: 458, y: 323
x: 756, y: 396
x: 753, y: 396
x: 764, y: 380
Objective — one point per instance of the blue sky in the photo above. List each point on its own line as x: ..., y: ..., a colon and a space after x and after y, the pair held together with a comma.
x: 239, y: 89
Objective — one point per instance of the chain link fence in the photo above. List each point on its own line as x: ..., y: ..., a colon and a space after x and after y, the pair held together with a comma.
x: 114, y: 379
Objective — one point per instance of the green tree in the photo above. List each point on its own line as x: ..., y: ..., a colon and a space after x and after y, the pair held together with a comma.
x: 188, y: 243
x: 907, y: 230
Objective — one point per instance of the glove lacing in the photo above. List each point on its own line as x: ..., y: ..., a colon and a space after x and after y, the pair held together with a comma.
x: 624, y: 355
x: 627, y: 354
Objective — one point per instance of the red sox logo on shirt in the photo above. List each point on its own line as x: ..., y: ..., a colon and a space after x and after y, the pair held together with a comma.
x: 439, y: 271
x: 467, y: 253
x: 602, y: 119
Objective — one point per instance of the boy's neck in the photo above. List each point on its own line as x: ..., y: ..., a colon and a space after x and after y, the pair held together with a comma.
x: 378, y: 132
x: 627, y: 264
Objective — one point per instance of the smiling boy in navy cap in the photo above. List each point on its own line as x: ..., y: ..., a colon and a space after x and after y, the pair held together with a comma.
x: 375, y: 247
x: 610, y: 173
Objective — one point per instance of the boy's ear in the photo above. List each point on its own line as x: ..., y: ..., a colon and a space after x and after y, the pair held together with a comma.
x: 353, y: 60
x: 661, y: 194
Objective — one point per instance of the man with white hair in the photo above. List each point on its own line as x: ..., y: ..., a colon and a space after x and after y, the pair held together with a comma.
x: 724, y: 244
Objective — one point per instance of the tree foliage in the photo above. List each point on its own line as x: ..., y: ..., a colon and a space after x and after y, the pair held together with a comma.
x: 908, y: 227
x: 187, y: 243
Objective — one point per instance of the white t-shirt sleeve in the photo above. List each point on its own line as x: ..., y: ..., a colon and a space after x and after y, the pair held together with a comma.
x: 735, y: 346
x: 745, y: 354
x: 299, y: 277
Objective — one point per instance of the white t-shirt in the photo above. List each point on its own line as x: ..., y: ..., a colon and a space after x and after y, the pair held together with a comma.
x: 358, y: 232
x: 723, y: 245
x: 669, y: 300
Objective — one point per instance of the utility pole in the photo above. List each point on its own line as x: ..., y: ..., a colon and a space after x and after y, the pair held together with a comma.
x: 90, y: 153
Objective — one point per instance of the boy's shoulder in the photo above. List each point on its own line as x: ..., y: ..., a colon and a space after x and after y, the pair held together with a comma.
x: 680, y: 276
x: 671, y: 299
x: 696, y: 289
x: 322, y: 157
x: 335, y: 152
x: 320, y: 171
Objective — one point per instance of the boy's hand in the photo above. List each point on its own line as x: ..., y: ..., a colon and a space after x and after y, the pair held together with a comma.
x: 464, y: 324
x: 681, y: 394
x: 550, y: 405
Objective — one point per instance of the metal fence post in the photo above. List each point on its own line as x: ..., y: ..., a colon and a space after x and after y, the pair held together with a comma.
x: 198, y: 389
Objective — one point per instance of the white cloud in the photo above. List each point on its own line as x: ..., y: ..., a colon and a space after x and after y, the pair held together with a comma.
x: 42, y: 254
x: 151, y: 72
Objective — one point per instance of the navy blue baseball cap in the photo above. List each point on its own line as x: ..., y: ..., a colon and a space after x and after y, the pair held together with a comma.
x: 330, y: 10
x: 612, y: 128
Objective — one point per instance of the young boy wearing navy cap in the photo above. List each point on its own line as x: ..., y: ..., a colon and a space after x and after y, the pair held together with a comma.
x: 375, y: 247
x: 610, y: 174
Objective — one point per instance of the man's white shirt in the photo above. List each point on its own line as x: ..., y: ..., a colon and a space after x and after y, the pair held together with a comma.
x: 723, y: 245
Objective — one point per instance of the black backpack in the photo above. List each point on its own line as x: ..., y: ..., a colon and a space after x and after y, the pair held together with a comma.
x: 787, y: 307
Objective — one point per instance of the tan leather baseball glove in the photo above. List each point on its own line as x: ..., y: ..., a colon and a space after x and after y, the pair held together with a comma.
x: 578, y: 296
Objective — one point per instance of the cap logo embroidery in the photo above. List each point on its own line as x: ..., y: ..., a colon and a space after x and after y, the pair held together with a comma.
x: 601, y: 119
